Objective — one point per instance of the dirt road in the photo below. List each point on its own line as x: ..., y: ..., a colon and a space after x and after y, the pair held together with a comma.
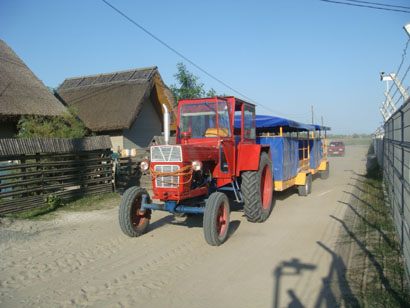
x: 84, y: 260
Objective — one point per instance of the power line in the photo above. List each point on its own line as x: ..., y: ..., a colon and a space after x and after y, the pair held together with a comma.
x: 367, y: 6
x: 187, y: 59
x: 380, y: 4
x: 172, y: 49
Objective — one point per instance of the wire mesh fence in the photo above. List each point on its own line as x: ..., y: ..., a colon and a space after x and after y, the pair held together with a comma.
x: 393, y: 154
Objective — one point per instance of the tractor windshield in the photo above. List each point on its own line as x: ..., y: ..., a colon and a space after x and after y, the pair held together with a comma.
x: 200, y: 120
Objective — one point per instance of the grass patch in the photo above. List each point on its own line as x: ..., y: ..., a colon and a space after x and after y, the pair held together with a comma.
x: 383, y: 282
x: 91, y: 203
x: 55, y: 204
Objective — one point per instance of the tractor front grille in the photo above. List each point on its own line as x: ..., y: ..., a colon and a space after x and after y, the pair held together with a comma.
x: 166, y: 153
x: 166, y: 181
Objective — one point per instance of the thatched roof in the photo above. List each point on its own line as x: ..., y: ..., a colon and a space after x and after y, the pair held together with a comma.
x: 21, y: 92
x: 113, y: 101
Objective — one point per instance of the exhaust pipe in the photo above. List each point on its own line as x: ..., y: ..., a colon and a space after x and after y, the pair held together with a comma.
x: 166, y: 124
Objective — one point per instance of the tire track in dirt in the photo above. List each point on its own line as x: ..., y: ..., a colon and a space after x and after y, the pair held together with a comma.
x: 105, y: 270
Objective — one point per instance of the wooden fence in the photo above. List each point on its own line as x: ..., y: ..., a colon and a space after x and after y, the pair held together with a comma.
x: 35, y: 168
x: 129, y: 173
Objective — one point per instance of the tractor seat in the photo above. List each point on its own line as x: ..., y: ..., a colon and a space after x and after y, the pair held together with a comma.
x: 212, y: 132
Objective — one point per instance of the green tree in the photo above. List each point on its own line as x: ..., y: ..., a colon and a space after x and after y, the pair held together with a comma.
x: 211, y: 93
x: 188, y: 84
x: 66, y: 126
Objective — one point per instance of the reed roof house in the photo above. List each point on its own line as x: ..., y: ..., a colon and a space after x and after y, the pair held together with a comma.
x: 126, y: 105
x: 22, y: 93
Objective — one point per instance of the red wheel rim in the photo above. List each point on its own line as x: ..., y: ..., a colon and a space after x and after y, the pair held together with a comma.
x: 136, y: 218
x: 221, y: 219
x: 266, y: 187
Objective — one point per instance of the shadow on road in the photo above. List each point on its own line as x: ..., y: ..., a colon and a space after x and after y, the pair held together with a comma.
x: 283, y: 195
x: 289, y: 268
x: 373, y: 226
x: 335, y: 286
x: 334, y: 289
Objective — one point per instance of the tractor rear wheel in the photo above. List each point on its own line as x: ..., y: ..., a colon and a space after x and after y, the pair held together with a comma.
x: 216, y: 219
x: 325, y: 173
x: 257, y: 190
x: 132, y: 222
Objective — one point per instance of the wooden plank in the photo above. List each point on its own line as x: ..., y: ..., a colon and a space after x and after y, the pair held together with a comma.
x: 106, y: 152
x: 54, y: 187
x: 43, y: 180
x: 51, y: 171
x: 14, y: 146
x: 32, y: 202
x: 106, y: 160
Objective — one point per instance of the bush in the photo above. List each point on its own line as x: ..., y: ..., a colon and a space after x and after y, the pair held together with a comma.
x: 66, y: 126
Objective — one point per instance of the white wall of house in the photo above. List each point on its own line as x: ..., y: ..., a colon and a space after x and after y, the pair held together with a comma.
x: 117, y: 142
x: 147, y: 125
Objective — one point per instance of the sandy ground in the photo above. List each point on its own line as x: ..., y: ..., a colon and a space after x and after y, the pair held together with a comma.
x: 84, y: 260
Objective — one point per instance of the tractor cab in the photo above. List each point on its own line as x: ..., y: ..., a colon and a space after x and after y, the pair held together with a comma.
x: 210, y: 122
x: 215, y: 118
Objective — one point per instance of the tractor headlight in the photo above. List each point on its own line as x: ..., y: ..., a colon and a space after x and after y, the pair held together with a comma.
x: 144, y: 165
x: 196, y: 165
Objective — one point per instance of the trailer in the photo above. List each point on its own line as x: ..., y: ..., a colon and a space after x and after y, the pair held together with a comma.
x: 217, y: 154
x: 298, y: 151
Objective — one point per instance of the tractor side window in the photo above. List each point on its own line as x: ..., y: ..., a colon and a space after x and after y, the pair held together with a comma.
x: 223, y: 118
x: 249, y: 122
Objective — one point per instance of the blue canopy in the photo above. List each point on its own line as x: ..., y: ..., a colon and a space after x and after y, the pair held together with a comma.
x: 267, y: 122
x: 319, y: 127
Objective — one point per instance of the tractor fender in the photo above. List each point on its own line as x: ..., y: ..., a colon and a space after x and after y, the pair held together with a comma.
x: 249, y: 156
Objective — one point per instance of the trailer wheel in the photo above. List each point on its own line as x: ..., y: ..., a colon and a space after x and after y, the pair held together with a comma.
x: 133, y: 223
x: 257, y: 189
x: 306, y: 189
x: 325, y: 173
x: 216, y: 219
x: 310, y: 183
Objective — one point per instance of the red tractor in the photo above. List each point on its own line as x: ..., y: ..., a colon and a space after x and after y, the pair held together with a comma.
x: 209, y: 161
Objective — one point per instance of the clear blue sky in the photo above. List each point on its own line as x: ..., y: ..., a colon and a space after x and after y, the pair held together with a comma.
x: 286, y: 55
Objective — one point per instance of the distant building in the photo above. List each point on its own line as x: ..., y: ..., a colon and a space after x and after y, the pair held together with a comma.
x: 126, y: 105
x: 21, y: 93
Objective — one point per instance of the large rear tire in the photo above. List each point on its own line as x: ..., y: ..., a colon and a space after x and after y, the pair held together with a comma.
x: 216, y: 219
x: 257, y: 190
x: 133, y: 223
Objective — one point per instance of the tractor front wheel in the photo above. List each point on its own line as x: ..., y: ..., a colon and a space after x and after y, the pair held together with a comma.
x: 133, y: 222
x: 257, y: 190
x: 216, y: 219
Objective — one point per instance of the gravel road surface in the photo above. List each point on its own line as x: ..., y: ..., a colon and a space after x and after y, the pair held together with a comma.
x: 84, y: 260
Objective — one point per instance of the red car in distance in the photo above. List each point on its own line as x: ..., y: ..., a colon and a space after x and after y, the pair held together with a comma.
x: 336, y: 148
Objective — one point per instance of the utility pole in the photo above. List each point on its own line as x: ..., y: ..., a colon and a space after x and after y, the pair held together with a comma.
x: 313, y: 122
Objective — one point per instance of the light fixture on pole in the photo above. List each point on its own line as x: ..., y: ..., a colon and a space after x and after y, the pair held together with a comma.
x: 407, y: 29
x: 387, y: 78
